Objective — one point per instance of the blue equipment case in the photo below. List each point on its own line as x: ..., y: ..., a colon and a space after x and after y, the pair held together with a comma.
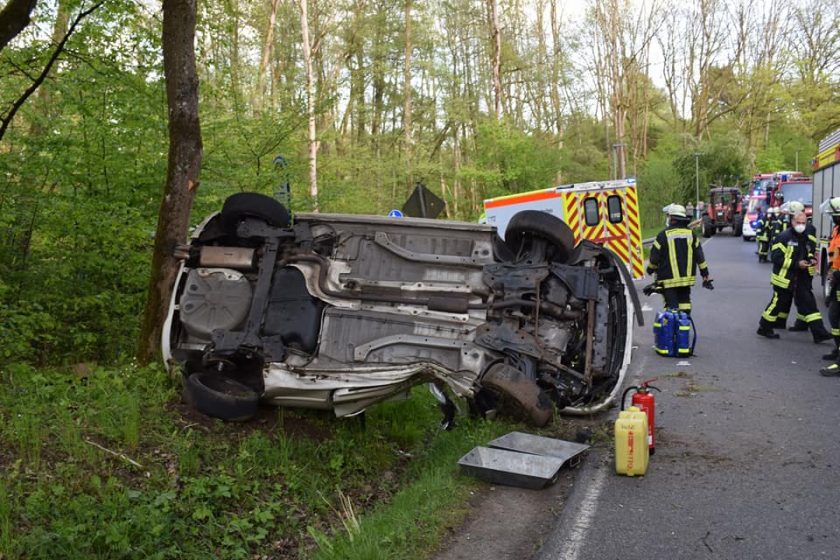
x: 674, y: 334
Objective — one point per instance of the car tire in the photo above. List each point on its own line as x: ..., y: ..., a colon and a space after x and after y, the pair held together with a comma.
x: 253, y: 205
x: 542, y: 225
x: 221, y: 397
x: 746, y: 238
x: 520, y: 396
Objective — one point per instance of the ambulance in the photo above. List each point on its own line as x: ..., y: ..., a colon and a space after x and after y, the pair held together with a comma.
x: 606, y: 212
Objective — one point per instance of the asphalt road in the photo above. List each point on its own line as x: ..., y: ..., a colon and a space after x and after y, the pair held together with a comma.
x: 748, y: 455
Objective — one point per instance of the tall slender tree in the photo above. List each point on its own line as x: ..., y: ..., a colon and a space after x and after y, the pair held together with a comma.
x: 409, y: 140
x: 185, y: 154
x: 310, y: 103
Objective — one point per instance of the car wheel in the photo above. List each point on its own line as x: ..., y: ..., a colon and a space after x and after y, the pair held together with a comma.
x: 253, y: 205
x: 520, y: 396
x: 221, y: 397
x: 542, y: 225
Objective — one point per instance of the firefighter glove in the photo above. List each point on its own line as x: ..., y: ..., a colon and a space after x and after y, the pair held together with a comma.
x: 707, y: 283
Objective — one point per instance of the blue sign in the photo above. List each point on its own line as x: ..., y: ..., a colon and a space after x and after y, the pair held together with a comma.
x: 395, y: 214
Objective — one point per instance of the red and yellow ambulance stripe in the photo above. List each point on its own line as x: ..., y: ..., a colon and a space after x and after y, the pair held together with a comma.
x: 634, y: 229
x: 571, y: 210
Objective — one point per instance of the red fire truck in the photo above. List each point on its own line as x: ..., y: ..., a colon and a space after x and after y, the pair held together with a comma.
x: 826, y: 168
x: 773, y: 189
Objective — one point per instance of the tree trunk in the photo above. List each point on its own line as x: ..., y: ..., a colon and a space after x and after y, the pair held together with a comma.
x: 14, y: 17
x: 185, y: 152
x: 310, y: 105
x: 407, y: 99
x: 497, y: 59
x: 43, y: 99
x: 268, y: 48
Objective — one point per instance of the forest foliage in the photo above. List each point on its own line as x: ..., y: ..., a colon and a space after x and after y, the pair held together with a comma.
x: 563, y: 95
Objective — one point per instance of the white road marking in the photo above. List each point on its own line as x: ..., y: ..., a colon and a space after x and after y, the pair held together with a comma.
x: 588, y: 506
x: 683, y: 363
x: 584, y: 516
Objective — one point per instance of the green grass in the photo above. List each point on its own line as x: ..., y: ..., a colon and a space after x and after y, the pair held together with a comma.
x: 648, y: 232
x: 112, y: 465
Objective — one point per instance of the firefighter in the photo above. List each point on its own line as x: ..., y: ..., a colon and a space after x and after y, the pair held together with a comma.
x: 778, y: 225
x: 832, y: 207
x: 792, y: 254
x: 762, y: 234
x: 674, y: 256
x: 790, y: 209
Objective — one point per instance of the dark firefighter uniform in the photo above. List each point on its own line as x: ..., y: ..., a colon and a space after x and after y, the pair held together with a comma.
x: 674, y: 256
x: 779, y: 225
x: 762, y: 235
x: 791, y: 284
x: 801, y: 323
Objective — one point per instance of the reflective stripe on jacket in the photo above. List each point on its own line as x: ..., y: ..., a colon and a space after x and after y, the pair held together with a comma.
x: 787, y: 250
x: 674, y: 256
x: 760, y: 230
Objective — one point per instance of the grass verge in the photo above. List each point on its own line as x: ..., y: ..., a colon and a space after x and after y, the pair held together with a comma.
x: 107, y: 463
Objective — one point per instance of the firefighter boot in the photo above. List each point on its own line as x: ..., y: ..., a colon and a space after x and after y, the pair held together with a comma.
x: 831, y: 371
x: 766, y: 332
x: 819, y: 333
x: 833, y: 355
x: 798, y: 326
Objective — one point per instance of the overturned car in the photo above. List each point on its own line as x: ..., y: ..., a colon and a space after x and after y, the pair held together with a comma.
x: 340, y: 312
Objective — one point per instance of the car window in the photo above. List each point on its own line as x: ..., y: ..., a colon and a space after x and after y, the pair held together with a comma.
x: 590, y: 211
x: 614, y: 209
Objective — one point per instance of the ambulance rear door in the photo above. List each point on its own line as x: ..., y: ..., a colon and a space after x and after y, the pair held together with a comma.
x: 608, y: 213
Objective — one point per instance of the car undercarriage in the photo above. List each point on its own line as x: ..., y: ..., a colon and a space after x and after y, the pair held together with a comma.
x: 340, y: 312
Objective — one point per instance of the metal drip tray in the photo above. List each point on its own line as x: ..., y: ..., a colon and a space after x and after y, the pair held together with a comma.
x: 522, y: 460
x: 539, y: 445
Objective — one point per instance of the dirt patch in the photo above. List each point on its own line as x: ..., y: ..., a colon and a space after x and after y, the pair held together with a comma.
x: 673, y: 447
x: 270, y: 420
x: 507, y: 522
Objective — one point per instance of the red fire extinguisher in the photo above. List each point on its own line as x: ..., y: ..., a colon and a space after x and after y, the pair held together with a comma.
x: 644, y: 399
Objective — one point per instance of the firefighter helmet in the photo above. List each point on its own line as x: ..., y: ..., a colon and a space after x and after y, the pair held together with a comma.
x: 794, y: 207
x: 675, y: 210
x: 831, y: 206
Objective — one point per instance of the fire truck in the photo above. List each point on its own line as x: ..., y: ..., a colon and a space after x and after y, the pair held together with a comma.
x: 606, y: 212
x: 826, y: 182
x: 773, y: 189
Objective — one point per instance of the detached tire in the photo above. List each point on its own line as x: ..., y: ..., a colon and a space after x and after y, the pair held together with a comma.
x: 542, y: 225
x: 221, y: 397
x: 253, y: 205
x: 519, y: 395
